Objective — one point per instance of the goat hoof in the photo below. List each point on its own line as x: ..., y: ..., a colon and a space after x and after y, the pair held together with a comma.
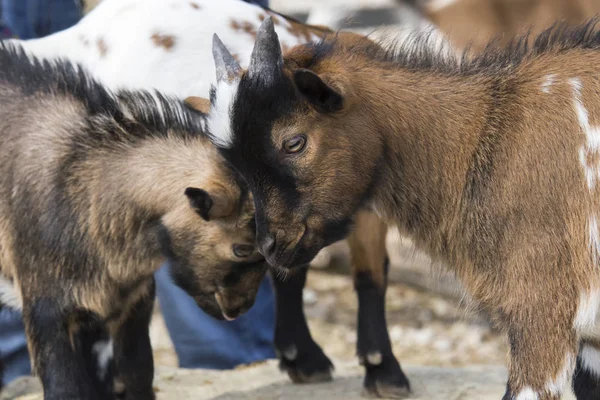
x: 305, y: 365
x: 385, y: 380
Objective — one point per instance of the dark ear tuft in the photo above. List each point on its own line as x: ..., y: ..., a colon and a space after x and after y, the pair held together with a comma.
x: 317, y: 92
x: 200, y: 201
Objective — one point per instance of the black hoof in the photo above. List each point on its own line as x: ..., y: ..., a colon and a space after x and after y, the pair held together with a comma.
x: 384, y: 378
x: 305, y: 365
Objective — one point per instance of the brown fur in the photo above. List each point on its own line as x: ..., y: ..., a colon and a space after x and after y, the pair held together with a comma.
x: 102, y: 47
x: 368, y: 247
x: 478, y: 163
x: 476, y: 22
x: 243, y: 26
x: 163, y: 40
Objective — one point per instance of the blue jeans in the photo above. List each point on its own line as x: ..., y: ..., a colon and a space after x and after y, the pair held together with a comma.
x: 13, y: 346
x: 29, y: 19
x: 204, y: 342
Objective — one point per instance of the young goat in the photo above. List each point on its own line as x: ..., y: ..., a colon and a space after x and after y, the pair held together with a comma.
x: 96, y: 190
x: 489, y: 162
x: 145, y: 44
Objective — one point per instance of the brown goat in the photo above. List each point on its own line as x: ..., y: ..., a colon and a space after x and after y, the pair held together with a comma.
x: 489, y: 162
x: 299, y: 355
x: 96, y: 191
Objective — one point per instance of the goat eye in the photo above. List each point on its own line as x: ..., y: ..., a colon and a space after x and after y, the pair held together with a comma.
x: 295, y: 144
x: 243, y: 250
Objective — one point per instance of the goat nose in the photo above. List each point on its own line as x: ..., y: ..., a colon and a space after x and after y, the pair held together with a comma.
x: 268, y: 245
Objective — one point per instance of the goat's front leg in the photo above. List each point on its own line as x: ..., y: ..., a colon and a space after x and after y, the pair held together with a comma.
x: 543, y: 349
x: 60, y: 367
x: 298, y: 354
x: 133, y: 351
x: 384, y: 377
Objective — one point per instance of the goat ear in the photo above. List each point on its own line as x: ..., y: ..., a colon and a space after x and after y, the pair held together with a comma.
x: 198, y: 103
x: 200, y: 201
x: 317, y: 92
x: 210, y: 206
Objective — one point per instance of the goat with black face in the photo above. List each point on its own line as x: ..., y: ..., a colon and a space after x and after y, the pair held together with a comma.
x: 282, y: 158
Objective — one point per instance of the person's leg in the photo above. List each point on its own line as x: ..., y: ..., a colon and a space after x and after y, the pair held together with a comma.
x: 30, y: 19
x: 13, y: 346
x: 204, y: 342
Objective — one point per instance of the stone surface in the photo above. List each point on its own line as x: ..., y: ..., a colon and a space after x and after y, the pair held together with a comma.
x: 264, y: 382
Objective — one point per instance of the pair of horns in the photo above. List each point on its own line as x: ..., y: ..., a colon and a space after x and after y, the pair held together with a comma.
x: 266, y: 60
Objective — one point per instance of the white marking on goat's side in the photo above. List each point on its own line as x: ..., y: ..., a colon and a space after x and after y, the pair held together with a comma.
x: 590, y: 359
x: 219, y: 122
x: 437, y: 5
x: 549, y: 80
x: 527, y: 394
x: 594, y: 237
x: 587, y: 310
x: 592, y: 134
x: 104, y: 352
x: 9, y: 295
x: 558, y: 385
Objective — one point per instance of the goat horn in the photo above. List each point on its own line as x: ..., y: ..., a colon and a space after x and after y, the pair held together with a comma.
x: 227, y: 67
x: 266, y: 61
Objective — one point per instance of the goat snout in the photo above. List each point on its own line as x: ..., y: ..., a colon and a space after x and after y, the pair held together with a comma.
x: 267, y: 245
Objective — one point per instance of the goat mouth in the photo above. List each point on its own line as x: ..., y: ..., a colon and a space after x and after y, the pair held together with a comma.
x: 285, y: 261
x: 220, y: 302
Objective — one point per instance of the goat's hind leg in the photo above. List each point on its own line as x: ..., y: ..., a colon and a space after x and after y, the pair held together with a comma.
x: 299, y: 355
x: 586, y: 380
x: 384, y: 377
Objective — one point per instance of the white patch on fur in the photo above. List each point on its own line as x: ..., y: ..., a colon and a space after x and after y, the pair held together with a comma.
x: 9, y: 295
x: 549, y: 80
x: 104, y: 354
x: 587, y: 310
x: 437, y: 5
x: 594, y: 236
x: 590, y: 359
x: 374, y: 358
x: 527, y: 394
x: 557, y: 386
x: 219, y: 122
x: 592, y: 173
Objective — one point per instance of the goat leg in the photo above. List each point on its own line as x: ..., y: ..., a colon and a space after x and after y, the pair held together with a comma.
x: 384, y: 376
x: 299, y: 355
x: 132, y: 349
x: 60, y: 367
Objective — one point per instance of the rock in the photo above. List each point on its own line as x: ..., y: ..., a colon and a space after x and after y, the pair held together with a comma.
x: 264, y: 381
